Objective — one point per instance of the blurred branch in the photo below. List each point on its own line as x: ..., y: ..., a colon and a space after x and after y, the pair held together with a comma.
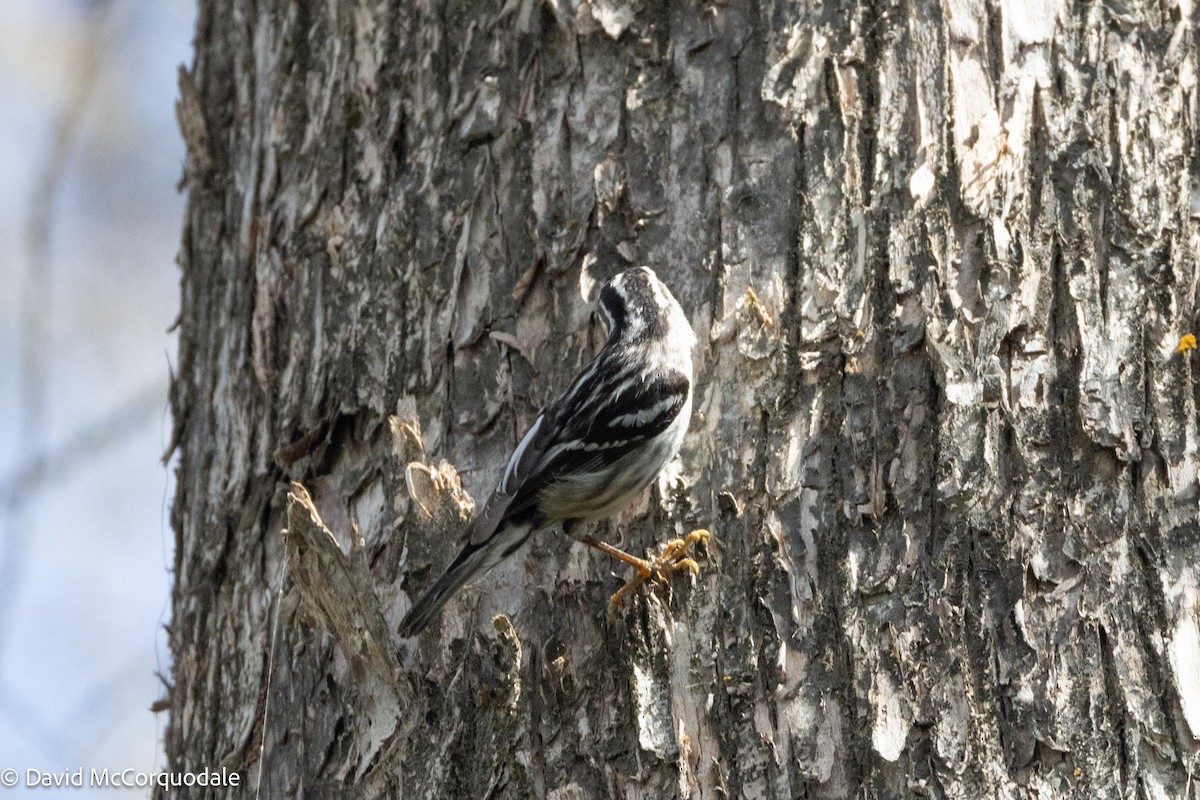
x: 36, y: 308
x: 81, y: 449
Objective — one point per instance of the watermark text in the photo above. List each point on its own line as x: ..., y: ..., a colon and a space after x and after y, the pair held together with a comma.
x: 116, y: 779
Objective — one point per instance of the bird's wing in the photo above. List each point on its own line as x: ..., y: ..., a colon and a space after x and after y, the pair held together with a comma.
x: 591, y: 433
x: 610, y: 409
x: 524, y: 475
x: 521, y: 464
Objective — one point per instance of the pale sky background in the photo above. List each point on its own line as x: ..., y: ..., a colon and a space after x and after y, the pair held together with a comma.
x: 85, y: 545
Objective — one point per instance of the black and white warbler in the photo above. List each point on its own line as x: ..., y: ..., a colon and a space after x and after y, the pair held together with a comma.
x: 596, y: 447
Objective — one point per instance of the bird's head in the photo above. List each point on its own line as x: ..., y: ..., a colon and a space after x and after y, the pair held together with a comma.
x: 638, y: 307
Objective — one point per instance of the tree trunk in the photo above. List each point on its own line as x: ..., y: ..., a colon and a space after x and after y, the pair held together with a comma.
x: 941, y: 261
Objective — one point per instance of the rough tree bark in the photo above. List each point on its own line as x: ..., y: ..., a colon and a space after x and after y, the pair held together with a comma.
x: 940, y: 257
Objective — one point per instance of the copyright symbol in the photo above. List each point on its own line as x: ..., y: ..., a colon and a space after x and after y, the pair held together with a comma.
x: 8, y: 778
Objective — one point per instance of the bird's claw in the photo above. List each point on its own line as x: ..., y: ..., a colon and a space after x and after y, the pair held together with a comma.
x: 672, y: 558
x: 688, y: 564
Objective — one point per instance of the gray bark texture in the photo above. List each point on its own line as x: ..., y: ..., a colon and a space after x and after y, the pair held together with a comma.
x: 941, y: 260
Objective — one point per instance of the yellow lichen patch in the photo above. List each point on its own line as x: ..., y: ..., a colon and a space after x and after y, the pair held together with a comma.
x: 435, y: 489
x: 410, y: 432
x: 1186, y: 342
x: 759, y: 309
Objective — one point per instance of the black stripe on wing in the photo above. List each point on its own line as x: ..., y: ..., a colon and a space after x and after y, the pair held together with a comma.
x: 588, y: 441
x: 641, y: 410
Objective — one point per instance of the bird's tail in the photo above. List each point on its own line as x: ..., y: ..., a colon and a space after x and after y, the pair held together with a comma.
x: 474, y: 560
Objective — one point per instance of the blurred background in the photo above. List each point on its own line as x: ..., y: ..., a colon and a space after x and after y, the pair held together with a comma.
x: 90, y: 159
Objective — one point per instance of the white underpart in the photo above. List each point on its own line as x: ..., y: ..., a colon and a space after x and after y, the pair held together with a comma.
x: 591, y: 496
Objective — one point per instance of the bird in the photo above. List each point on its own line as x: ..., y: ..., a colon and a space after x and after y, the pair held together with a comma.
x: 593, y: 449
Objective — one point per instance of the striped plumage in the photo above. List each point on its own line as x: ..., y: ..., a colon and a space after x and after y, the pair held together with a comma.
x: 598, y: 445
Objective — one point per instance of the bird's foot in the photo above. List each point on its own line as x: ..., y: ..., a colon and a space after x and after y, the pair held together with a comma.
x: 672, y: 558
